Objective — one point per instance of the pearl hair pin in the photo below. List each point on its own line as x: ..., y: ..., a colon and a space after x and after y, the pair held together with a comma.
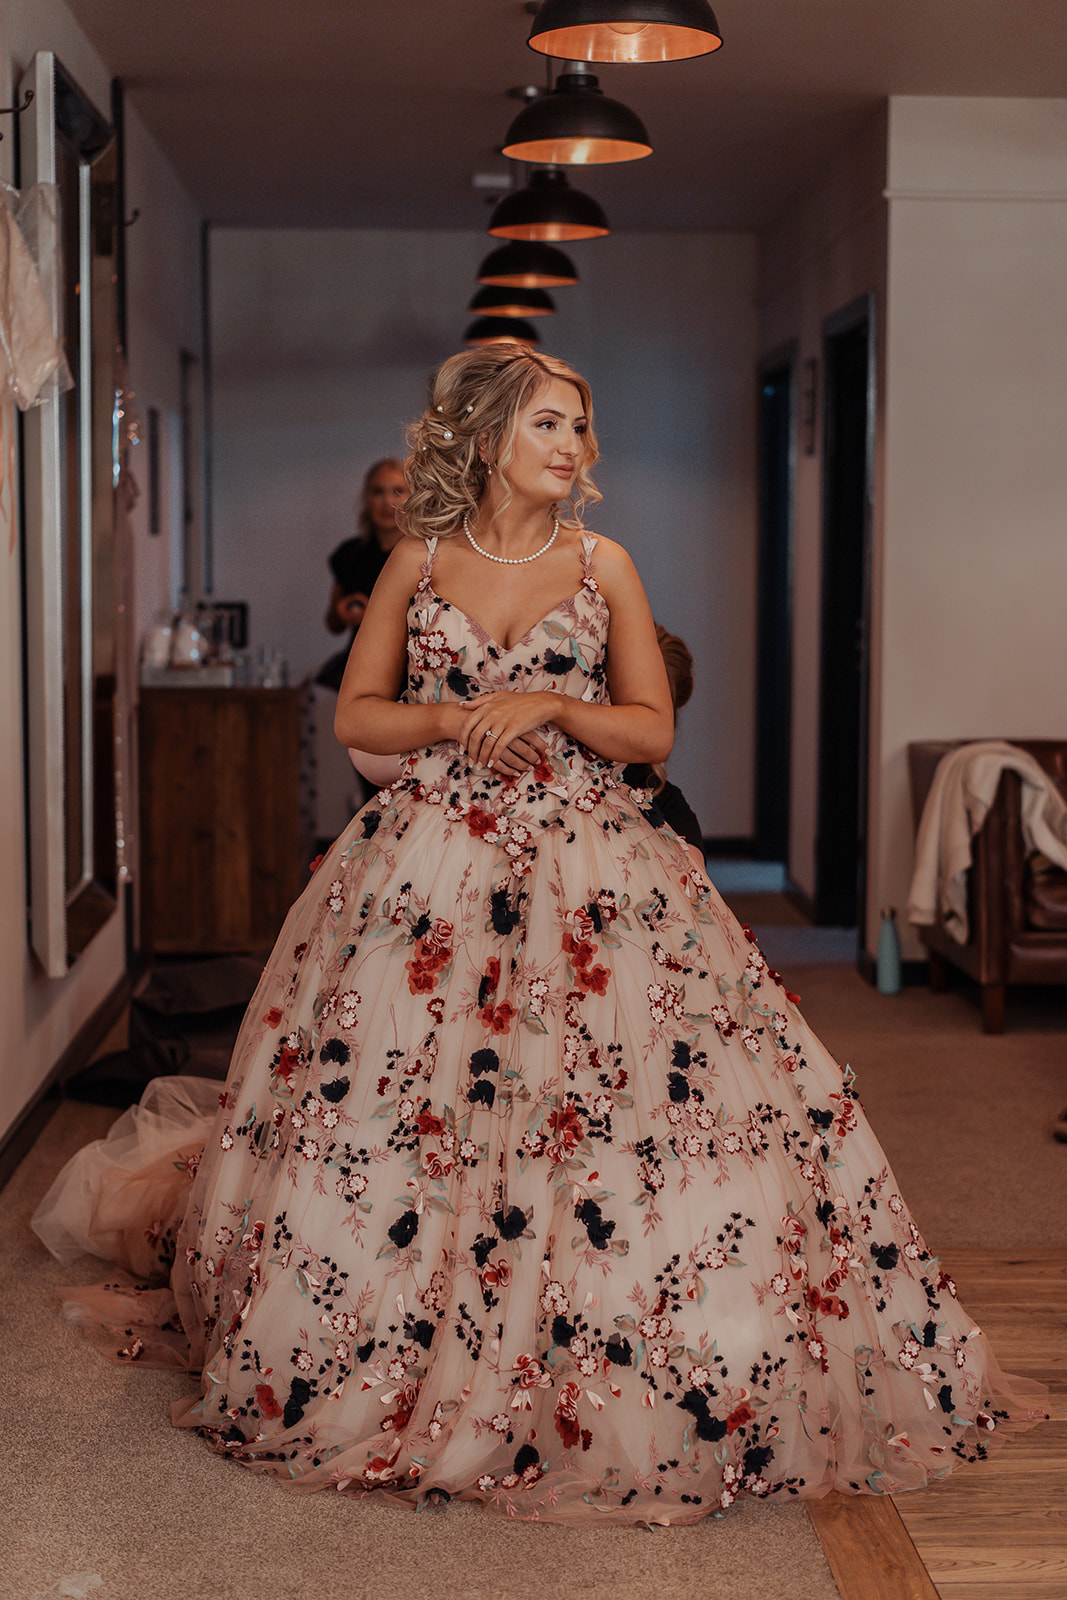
x: 511, y: 561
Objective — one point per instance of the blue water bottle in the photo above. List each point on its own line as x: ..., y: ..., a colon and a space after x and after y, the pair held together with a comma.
x: 888, y: 963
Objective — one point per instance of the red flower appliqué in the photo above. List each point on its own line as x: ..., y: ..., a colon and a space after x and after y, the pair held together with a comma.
x: 480, y: 822
x: 578, y: 944
x: 498, y: 1019
x: 267, y: 1401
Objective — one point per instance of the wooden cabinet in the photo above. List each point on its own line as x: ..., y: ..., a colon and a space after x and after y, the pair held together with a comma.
x: 225, y: 836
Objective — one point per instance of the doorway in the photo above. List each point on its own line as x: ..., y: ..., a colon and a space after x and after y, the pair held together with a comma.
x: 774, y: 621
x: 848, y: 434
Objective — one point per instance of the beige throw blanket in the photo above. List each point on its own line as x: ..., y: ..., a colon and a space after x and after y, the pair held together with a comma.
x: 960, y: 796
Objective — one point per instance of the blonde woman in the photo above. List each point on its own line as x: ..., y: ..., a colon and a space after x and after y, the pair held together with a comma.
x: 530, y: 1185
x: 356, y: 562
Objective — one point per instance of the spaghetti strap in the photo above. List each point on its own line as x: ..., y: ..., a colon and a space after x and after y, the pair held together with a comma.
x: 588, y: 546
x: 427, y: 566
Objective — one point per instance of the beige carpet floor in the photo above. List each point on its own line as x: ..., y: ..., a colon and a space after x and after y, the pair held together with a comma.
x: 100, y: 1498
x: 963, y: 1116
x: 95, y: 1484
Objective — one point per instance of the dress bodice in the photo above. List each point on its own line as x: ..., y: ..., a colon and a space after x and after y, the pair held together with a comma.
x: 452, y: 657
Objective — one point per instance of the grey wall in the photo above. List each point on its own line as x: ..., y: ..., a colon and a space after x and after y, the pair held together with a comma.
x: 321, y: 347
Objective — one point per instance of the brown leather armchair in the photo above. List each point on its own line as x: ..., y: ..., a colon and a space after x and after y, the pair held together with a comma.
x: 1017, y: 907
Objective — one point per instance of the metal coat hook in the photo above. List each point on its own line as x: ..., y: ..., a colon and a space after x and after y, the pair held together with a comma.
x: 7, y: 111
x: 13, y: 111
x: 132, y: 218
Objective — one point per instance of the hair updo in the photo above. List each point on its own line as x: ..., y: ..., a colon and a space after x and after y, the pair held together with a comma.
x: 476, y: 398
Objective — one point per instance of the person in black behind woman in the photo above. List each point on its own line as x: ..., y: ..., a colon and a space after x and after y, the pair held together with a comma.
x: 667, y: 798
x: 356, y: 563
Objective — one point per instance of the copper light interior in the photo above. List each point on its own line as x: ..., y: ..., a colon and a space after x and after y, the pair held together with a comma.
x: 625, y: 30
x: 571, y: 151
x: 527, y: 265
x: 578, y: 125
x: 547, y: 208
x: 562, y: 231
x: 629, y: 42
x: 493, y: 301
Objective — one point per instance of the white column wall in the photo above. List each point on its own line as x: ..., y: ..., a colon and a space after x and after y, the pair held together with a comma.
x: 954, y: 212
x: 976, y: 469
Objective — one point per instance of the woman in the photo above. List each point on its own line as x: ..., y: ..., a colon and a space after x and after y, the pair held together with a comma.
x: 356, y: 563
x: 530, y: 1184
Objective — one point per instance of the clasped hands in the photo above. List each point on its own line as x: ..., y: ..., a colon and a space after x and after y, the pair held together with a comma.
x: 497, y: 730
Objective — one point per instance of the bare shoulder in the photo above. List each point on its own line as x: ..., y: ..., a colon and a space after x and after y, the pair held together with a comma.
x: 608, y: 552
x: 408, y: 555
x: 613, y: 566
x: 403, y: 566
x: 397, y: 582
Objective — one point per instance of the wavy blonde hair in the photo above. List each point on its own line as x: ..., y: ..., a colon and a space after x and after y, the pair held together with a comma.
x: 475, y: 401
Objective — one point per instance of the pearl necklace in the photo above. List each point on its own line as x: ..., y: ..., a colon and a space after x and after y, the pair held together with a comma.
x: 511, y: 561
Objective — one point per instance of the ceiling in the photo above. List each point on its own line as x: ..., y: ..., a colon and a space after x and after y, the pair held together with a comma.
x: 378, y: 113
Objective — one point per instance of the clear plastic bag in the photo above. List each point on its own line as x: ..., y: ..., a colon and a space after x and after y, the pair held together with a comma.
x: 32, y: 363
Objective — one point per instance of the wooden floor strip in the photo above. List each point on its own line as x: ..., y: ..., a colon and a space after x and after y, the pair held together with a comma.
x: 868, y: 1549
x: 993, y: 1531
x: 998, y: 1531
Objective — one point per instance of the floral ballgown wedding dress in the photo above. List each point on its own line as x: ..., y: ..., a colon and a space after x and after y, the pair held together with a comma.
x: 529, y: 1183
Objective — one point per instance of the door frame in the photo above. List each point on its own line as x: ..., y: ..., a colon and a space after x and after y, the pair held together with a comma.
x: 774, y: 616
x: 858, y: 313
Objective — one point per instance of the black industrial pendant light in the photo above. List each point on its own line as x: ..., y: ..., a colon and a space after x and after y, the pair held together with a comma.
x: 576, y: 124
x: 548, y: 208
x: 501, y: 330
x: 527, y: 264
x: 625, y: 30
x: 496, y: 301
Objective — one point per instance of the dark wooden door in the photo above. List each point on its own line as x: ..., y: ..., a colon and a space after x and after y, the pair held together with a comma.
x: 848, y: 414
x: 774, y: 608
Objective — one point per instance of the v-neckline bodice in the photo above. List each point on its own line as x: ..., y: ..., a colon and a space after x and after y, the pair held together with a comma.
x: 483, y: 632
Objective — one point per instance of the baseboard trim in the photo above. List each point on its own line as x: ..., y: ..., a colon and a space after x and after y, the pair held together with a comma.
x: 20, y: 1138
x: 801, y: 899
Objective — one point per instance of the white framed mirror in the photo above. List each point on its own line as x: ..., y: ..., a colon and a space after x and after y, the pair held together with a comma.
x: 70, y: 466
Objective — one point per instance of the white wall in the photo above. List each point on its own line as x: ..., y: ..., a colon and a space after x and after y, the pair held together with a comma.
x: 976, y: 426
x: 954, y: 212
x: 41, y: 1017
x: 165, y: 318
x: 322, y: 343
